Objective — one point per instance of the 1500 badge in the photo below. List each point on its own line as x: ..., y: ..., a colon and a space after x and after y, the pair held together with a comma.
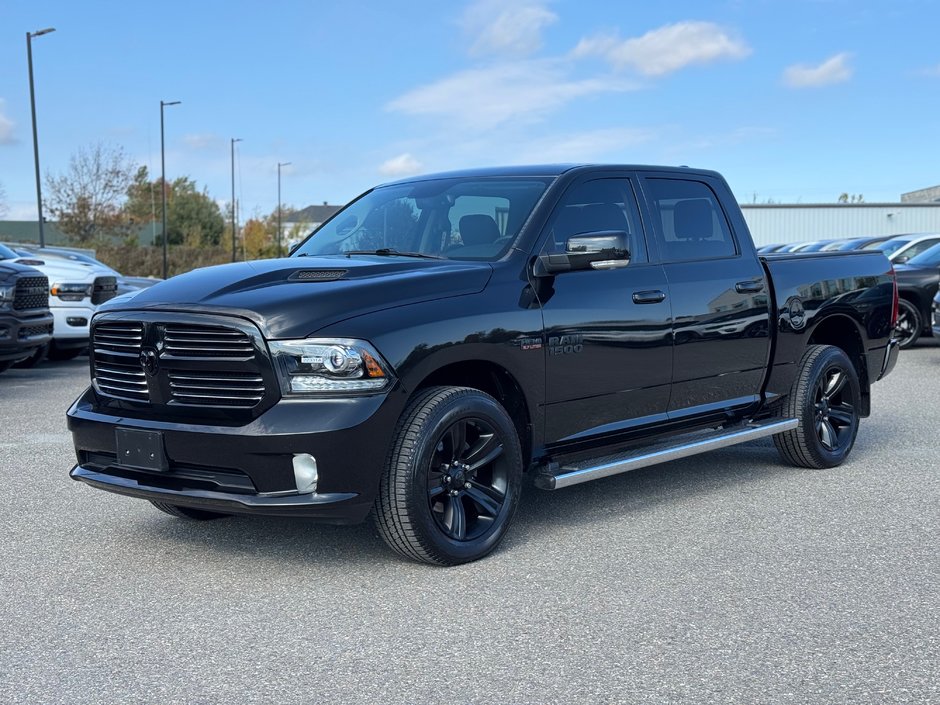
x: 565, y: 344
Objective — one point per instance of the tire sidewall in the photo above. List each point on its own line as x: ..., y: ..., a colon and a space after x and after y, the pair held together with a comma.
x: 467, y: 404
x: 832, y: 358
x: 918, y: 323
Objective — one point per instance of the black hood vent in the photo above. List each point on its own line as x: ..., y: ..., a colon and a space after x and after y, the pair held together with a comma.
x: 317, y: 275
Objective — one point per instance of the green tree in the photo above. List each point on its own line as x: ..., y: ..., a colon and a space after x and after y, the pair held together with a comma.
x: 193, y: 218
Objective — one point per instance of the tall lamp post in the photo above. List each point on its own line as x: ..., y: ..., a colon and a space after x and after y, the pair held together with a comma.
x: 163, y: 104
x: 279, y: 165
x: 234, y: 225
x: 32, y: 103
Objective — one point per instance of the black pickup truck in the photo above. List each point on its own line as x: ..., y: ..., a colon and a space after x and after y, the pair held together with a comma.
x: 25, y: 319
x: 444, y: 337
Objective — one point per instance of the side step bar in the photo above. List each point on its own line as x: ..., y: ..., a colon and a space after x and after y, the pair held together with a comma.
x: 596, y: 468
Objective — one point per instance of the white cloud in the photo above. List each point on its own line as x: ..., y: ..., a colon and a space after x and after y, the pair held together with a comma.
x: 402, y: 165
x: 512, y: 27
x: 601, y: 145
x: 204, y: 140
x: 666, y: 49
x: 835, y: 69
x: 933, y: 71
x: 6, y: 126
x: 484, y: 98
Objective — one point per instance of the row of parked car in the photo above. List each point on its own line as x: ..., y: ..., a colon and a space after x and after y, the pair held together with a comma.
x: 47, y: 298
x: 916, y: 260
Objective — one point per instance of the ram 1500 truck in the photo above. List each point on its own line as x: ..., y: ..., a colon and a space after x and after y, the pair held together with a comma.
x: 443, y: 337
x: 25, y: 320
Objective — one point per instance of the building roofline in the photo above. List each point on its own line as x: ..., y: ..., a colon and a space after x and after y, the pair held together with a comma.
x: 897, y: 204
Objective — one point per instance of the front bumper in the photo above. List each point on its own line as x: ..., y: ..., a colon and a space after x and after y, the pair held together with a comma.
x: 19, y: 337
x: 248, y: 469
x: 71, y: 322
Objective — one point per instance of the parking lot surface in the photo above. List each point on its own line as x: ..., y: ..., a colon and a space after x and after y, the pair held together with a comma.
x: 726, y: 578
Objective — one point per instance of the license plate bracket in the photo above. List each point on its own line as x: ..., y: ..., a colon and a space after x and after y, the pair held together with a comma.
x: 141, y: 450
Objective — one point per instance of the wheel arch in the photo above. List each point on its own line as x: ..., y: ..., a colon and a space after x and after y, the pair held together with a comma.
x: 843, y: 332
x: 495, y: 380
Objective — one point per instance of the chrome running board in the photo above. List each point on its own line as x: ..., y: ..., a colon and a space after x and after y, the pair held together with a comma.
x: 596, y: 468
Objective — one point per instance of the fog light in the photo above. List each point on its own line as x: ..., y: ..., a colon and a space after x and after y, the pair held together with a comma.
x: 76, y: 321
x: 305, y: 473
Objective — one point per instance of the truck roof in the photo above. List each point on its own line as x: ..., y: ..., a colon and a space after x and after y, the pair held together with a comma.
x: 550, y: 170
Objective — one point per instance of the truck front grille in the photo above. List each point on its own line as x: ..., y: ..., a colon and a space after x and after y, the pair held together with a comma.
x: 207, y: 341
x: 30, y: 293
x: 177, y: 365
x: 212, y: 389
x: 27, y: 332
x: 104, y: 289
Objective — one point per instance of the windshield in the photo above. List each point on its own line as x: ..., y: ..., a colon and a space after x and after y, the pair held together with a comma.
x: 888, y: 246
x: 927, y: 258
x: 7, y: 253
x: 463, y: 218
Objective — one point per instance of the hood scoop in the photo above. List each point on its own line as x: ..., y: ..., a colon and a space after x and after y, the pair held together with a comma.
x: 317, y: 275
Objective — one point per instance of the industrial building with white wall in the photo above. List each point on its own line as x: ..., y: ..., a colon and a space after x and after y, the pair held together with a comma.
x: 782, y: 223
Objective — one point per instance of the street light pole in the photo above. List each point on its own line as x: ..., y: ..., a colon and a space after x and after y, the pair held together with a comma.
x: 279, y: 165
x: 32, y: 103
x: 163, y: 104
x: 234, y: 226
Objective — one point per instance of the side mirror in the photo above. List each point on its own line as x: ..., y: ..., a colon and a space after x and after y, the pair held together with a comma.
x: 901, y: 260
x: 603, y: 249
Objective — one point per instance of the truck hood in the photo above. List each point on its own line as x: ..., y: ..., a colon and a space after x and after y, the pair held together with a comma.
x: 59, y: 271
x: 293, y: 297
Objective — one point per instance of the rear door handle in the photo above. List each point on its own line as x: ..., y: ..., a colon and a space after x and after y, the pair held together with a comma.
x: 749, y: 287
x: 649, y: 297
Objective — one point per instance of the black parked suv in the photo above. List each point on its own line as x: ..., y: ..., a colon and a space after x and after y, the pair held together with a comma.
x: 25, y: 320
x: 441, y: 338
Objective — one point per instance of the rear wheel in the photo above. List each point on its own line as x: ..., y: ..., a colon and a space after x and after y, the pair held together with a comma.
x: 452, y: 478
x: 4, y: 366
x: 825, y: 398
x: 910, y: 324
x: 188, y: 512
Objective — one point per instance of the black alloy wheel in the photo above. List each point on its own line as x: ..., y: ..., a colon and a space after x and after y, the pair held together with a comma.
x: 467, y: 479
x: 910, y: 324
x: 825, y: 398
x: 452, y: 478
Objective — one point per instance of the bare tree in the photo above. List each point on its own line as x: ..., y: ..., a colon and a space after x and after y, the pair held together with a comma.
x: 86, y: 199
x: 3, y: 201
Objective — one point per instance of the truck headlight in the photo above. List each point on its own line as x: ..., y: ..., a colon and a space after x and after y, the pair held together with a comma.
x: 6, y: 296
x: 71, y: 292
x: 318, y: 365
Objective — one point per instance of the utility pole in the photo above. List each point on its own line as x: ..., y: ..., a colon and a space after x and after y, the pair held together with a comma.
x: 279, y: 165
x: 163, y: 104
x: 234, y: 222
x: 32, y: 104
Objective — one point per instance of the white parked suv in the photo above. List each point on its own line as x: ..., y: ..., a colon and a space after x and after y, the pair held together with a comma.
x: 904, y: 247
x: 75, y: 292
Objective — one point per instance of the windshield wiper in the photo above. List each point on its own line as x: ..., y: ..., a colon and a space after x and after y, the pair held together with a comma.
x: 392, y: 252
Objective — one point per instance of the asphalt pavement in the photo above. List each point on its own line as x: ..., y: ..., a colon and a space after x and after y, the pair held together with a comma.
x: 725, y: 578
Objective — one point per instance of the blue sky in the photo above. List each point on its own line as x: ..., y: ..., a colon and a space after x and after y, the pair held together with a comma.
x: 791, y: 100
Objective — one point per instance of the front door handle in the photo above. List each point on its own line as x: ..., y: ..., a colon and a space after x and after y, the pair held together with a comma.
x: 749, y: 287
x: 649, y: 297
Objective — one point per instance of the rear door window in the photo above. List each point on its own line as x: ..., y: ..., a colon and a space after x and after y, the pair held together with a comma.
x: 688, y: 220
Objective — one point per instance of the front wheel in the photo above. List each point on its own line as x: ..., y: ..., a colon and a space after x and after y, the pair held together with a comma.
x: 825, y: 398
x: 37, y: 356
x: 910, y: 324
x: 452, y: 478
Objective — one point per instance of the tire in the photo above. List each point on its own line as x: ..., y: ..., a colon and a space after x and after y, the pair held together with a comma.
x: 452, y: 478
x: 188, y: 512
x: 825, y: 397
x: 57, y: 354
x: 4, y: 366
x: 910, y: 324
x: 39, y: 354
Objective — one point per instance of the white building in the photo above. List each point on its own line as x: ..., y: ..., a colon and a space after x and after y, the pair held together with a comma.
x: 783, y: 223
